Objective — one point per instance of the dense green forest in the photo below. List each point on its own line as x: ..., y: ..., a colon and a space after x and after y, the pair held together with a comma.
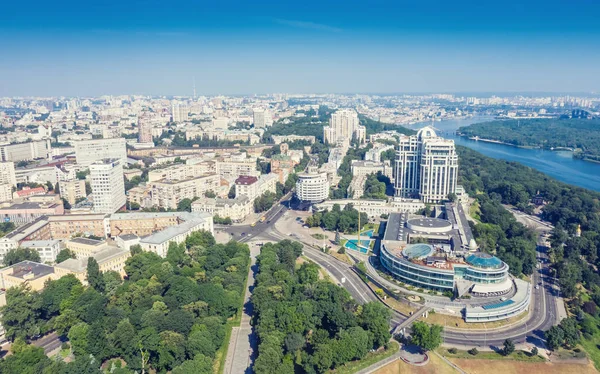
x: 582, y: 135
x: 169, y: 315
x: 574, y: 259
x: 307, y: 325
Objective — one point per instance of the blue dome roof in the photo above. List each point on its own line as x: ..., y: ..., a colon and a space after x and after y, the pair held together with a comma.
x: 484, y: 260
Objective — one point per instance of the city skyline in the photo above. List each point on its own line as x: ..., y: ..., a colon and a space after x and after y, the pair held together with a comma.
x: 159, y: 49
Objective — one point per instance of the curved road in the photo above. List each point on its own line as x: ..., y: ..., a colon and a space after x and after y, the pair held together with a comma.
x: 542, y: 316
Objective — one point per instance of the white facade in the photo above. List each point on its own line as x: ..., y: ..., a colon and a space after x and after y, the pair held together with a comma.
x: 7, y: 173
x: 312, y: 186
x: 261, y: 118
x: 47, y: 249
x: 5, y: 192
x: 108, y: 187
x: 90, y: 151
x: 25, y: 151
x: 343, y: 126
x: 426, y: 167
x: 179, y: 112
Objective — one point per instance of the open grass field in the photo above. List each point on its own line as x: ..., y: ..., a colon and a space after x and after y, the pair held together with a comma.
x: 459, y: 323
x: 477, y: 366
x: 435, y: 366
x: 591, y: 347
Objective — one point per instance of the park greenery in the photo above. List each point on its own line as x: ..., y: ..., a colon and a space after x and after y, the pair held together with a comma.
x: 344, y: 220
x: 580, y: 135
x: 427, y: 337
x: 168, y: 315
x: 345, y: 170
x: 308, y: 325
x: 575, y: 259
x: 14, y: 256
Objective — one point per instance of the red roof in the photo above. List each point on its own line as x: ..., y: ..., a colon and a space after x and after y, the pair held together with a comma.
x: 31, y: 191
x: 245, y: 180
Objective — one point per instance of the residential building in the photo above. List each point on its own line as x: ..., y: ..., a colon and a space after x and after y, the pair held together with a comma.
x: 108, y: 187
x: 364, y: 168
x: 159, y: 242
x: 261, y: 118
x: 7, y: 173
x: 32, y: 273
x: 237, y: 209
x: 47, y: 249
x: 168, y: 193
x: 25, y: 151
x: 84, y: 247
x: 89, y: 151
x: 21, y: 213
x: 278, y: 139
x: 179, y: 112
x: 6, y: 193
x: 253, y: 187
x: 426, y: 167
x: 343, y: 127
x: 144, y: 129
x: 72, y: 190
x: 109, y: 258
x: 312, y: 186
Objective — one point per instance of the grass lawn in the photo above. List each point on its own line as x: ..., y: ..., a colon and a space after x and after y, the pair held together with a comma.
x: 435, y: 366
x: 370, y: 359
x: 487, y: 355
x: 591, y: 347
x: 517, y: 367
x: 459, y: 323
x: 319, y: 236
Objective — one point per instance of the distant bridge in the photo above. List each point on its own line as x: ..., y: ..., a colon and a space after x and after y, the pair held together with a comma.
x: 583, y: 113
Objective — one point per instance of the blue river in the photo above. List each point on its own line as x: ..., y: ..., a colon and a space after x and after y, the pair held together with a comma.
x: 560, y: 165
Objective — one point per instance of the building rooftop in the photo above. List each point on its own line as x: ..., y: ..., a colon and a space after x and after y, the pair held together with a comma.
x: 246, y: 180
x: 484, y: 260
x: 127, y: 237
x: 417, y: 251
x: 38, y: 243
x: 87, y: 241
x: 171, y: 232
x: 29, y: 270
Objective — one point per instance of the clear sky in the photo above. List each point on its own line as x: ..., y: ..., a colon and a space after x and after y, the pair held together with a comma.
x: 79, y: 48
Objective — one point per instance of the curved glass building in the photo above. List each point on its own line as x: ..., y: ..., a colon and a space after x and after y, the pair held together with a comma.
x: 415, y: 264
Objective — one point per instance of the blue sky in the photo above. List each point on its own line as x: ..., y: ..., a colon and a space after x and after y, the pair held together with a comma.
x: 157, y: 47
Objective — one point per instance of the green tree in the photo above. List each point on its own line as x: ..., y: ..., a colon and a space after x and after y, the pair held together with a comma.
x: 509, y: 347
x: 14, y: 256
x: 210, y: 194
x: 21, y: 314
x: 199, y: 365
x: 375, y: 318
x: 534, y: 351
x: 184, y: 205
x: 428, y: 337
x: 200, y: 238
x: 94, y: 275
x: 25, y: 359
x: 64, y: 254
x: 78, y: 336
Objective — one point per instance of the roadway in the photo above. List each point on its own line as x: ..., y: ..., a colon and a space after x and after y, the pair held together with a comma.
x: 543, y: 310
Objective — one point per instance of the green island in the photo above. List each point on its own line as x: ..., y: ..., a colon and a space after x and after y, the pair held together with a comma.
x: 582, y: 136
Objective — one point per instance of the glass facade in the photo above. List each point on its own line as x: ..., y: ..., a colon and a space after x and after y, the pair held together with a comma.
x: 438, y: 279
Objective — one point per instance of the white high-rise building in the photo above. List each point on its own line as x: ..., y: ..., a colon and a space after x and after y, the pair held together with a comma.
x: 26, y: 151
x: 179, y: 112
x: 261, y: 118
x: 108, y: 187
x: 343, y: 127
x: 312, y: 185
x: 90, y: 151
x: 144, y: 129
x: 426, y: 167
x: 7, y: 173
